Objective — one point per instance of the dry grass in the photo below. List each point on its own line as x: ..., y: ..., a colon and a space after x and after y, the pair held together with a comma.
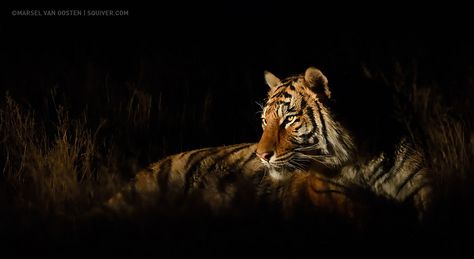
x: 63, y: 165
x: 66, y: 165
x: 61, y: 173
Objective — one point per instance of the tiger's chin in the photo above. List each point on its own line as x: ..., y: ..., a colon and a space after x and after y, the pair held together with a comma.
x: 278, y: 175
x: 281, y: 170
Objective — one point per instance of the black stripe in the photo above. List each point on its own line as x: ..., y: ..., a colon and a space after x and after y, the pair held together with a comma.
x: 194, y: 165
x: 377, y: 177
x: 225, y: 156
x: 286, y: 94
x: 417, y: 169
x: 232, y: 175
x: 294, y: 141
x: 325, y: 132
x: 303, y: 107
x: 302, y: 165
x: 283, y: 103
x: 192, y: 169
x: 394, y: 170
x: 379, y: 165
x: 258, y: 176
x: 298, y: 128
x: 310, y: 114
x: 303, y: 103
x: 234, y: 169
x: 251, y: 157
x: 277, y: 102
x: 278, y: 91
x: 163, y: 176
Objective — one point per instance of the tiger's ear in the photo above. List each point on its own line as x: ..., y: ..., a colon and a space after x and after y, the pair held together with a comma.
x: 271, y: 80
x: 317, y: 81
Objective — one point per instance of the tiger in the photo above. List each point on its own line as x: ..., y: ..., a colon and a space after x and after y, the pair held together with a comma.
x: 301, y: 134
x: 304, y: 156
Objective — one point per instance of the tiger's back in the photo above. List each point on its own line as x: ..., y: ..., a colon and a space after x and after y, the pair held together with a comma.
x: 231, y: 181
x: 207, y: 176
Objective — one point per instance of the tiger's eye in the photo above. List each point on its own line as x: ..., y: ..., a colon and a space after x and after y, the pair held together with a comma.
x: 289, y: 120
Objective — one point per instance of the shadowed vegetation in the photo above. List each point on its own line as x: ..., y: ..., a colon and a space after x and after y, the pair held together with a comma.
x: 56, y: 169
x: 76, y: 123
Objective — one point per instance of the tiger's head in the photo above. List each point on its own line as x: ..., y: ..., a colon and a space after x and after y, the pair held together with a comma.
x: 298, y: 129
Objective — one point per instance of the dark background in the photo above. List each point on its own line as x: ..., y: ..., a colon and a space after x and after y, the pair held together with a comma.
x: 206, y: 67
x: 203, y: 72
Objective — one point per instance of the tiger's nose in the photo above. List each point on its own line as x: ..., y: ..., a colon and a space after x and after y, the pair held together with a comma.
x: 265, y: 156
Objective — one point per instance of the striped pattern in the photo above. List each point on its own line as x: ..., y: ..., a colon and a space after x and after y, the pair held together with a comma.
x: 315, y: 143
x: 311, y: 136
x: 401, y: 177
x: 209, y: 176
x: 309, y: 158
x: 224, y: 180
